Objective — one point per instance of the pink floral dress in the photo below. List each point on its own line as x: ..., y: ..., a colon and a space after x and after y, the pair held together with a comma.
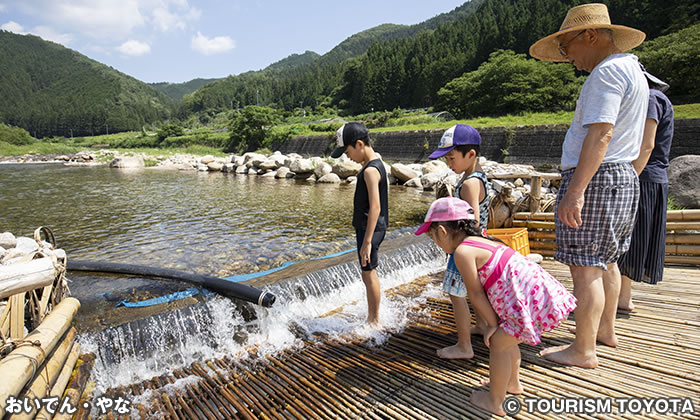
x: 527, y: 299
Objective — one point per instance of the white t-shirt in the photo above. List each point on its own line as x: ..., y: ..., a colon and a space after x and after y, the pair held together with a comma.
x: 615, y: 92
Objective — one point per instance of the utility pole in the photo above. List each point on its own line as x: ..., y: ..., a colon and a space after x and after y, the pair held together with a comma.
x: 257, y: 102
x: 107, y: 128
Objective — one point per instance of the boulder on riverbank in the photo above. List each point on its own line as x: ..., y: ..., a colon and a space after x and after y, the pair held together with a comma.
x: 127, y: 162
x: 684, y: 181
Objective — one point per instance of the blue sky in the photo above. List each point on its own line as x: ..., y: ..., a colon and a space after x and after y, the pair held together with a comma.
x: 179, y: 40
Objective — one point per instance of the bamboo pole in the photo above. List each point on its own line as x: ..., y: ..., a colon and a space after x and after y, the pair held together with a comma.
x: 61, y: 382
x: 678, y: 238
x: 683, y: 215
x: 84, y: 402
x: 17, y: 316
x: 535, y: 193
x: 77, y: 383
x: 25, y: 276
x: 682, y: 226
x: 47, y: 374
x: 4, y: 319
x: 533, y: 224
x: 19, y: 364
x: 681, y: 259
x: 541, y: 235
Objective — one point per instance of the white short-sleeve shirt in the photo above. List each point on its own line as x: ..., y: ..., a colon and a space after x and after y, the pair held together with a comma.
x: 615, y: 92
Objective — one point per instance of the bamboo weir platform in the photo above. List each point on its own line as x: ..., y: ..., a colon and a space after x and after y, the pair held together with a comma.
x: 658, y: 357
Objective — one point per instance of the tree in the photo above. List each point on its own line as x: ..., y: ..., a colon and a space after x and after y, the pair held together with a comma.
x: 172, y: 130
x: 509, y: 83
x: 248, y: 129
x: 674, y: 59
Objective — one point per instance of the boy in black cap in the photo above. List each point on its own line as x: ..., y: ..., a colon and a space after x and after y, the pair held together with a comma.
x: 371, y: 207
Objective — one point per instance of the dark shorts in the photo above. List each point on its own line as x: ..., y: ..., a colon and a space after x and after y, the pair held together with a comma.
x: 610, y: 204
x: 377, y: 239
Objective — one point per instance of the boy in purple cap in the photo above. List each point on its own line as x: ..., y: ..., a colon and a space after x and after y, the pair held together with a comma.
x: 371, y: 207
x: 460, y: 147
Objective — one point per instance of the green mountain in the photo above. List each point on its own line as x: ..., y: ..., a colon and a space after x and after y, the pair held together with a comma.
x: 50, y: 90
x: 294, y: 60
x: 308, y: 79
x: 177, y: 90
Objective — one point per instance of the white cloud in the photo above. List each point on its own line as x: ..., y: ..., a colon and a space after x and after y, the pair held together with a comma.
x: 166, y: 20
x: 2, y: 7
x: 210, y: 46
x: 111, y: 19
x: 13, y: 26
x: 51, y: 35
x: 134, y: 48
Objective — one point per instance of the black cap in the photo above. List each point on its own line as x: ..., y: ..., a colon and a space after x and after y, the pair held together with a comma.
x: 346, y: 135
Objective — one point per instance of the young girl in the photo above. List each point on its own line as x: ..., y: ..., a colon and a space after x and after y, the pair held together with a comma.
x: 518, y: 299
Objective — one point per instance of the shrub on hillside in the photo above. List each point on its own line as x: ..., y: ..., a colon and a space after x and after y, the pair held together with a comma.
x: 249, y: 128
x: 509, y: 83
x: 674, y: 59
x: 15, y: 135
x: 171, y: 130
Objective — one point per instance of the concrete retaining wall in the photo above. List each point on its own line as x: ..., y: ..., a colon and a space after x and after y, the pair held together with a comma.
x: 535, y: 145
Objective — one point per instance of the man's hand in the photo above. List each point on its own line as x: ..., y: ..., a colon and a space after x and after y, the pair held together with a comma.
x: 569, y: 209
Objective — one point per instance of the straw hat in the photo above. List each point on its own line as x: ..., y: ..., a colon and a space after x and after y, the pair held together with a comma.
x: 579, y: 18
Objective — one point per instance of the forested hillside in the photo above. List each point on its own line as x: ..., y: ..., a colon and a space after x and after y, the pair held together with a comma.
x: 472, y: 60
x: 308, y: 84
x: 50, y: 90
x: 408, y: 71
x: 177, y: 90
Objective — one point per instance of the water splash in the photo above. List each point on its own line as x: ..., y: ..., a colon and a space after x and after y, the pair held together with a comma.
x: 219, y: 327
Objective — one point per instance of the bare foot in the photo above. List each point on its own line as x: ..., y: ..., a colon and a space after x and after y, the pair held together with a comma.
x: 625, y: 306
x: 565, y: 355
x: 482, y: 399
x: 455, y: 352
x: 516, y: 389
x: 602, y: 338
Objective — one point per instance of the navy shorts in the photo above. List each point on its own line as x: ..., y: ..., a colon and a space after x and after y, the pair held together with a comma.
x: 377, y: 239
x: 609, y: 208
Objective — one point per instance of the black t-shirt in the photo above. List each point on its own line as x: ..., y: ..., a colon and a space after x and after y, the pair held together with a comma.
x: 361, y: 201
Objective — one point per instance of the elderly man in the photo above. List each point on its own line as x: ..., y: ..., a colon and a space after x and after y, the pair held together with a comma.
x: 598, y: 197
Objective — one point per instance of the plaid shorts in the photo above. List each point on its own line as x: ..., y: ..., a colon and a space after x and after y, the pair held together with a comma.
x: 609, y: 209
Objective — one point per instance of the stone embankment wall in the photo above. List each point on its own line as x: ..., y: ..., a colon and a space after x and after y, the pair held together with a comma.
x: 534, y: 145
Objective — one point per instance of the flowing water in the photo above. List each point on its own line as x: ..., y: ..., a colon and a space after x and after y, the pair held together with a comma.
x: 216, y: 224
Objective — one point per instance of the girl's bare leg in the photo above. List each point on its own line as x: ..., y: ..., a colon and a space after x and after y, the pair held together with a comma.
x: 501, y: 363
x: 463, y: 321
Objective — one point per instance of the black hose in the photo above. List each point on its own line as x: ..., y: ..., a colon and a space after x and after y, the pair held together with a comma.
x: 218, y: 285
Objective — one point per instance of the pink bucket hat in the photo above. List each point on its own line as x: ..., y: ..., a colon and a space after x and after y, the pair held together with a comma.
x: 444, y: 210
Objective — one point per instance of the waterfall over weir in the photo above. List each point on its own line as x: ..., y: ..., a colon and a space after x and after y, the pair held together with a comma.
x: 218, y: 327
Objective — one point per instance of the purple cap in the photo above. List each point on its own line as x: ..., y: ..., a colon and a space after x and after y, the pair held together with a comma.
x: 457, y: 135
x: 446, y: 209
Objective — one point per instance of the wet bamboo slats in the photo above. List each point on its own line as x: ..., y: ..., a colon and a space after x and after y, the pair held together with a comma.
x: 353, y: 378
x: 682, y: 234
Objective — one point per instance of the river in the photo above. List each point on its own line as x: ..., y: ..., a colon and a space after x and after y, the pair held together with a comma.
x: 209, y: 223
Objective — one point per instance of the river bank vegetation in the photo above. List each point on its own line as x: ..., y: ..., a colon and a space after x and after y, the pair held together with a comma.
x: 215, y: 139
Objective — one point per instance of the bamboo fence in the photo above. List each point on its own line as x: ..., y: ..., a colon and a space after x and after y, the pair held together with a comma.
x: 351, y: 378
x: 682, y: 234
